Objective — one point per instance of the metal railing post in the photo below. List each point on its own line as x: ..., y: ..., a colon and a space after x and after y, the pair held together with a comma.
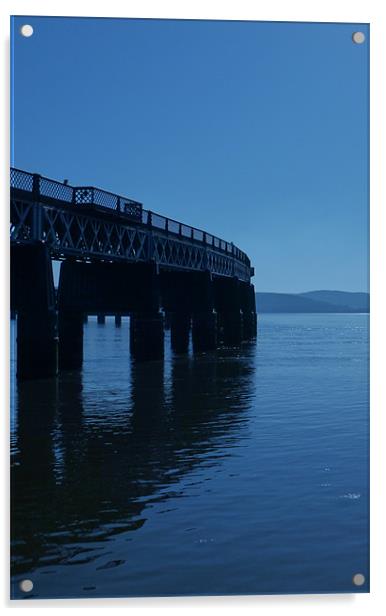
x: 233, y: 258
x: 36, y: 230
x: 36, y: 186
x: 150, y: 241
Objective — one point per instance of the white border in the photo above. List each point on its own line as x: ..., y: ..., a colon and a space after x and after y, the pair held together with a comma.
x: 366, y: 11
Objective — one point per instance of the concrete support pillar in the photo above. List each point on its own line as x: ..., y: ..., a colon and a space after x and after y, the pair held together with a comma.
x: 147, y: 336
x: 204, y: 331
x: 228, y: 307
x: 231, y: 326
x: 101, y: 318
x: 204, y: 318
x: 70, y: 318
x: 118, y: 320
x: 33, y: 297
x: 248, y: 304
x: 70, y: 340
x: 254, y: 313
x: 180, y: 326
x: 37, y: 344
x: 146, y: 320
x: 249, y: 325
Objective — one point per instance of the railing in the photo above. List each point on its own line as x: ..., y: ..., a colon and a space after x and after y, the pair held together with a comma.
x: 44, y: 188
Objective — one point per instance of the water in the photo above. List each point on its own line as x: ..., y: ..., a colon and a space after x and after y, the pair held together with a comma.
x: 244, y: 471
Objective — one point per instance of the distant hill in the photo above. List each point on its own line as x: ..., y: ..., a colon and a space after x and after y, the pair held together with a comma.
x: 313, y: 301
x: 359, y: 302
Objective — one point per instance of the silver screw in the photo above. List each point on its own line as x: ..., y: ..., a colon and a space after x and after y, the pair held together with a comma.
x: 358, y: 38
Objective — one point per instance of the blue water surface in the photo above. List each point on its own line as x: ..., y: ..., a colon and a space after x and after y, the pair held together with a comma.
x: 243, y: 471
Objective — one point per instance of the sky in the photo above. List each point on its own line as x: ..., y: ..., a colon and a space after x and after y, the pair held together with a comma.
x: 256, y: 132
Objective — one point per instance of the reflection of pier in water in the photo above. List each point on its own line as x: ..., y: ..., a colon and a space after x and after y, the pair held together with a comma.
x: 85, y: 469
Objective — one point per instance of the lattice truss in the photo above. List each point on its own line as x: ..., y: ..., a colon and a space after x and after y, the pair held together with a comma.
x: 69, y: 233
x: 22, y: 220
x: 241, y: 271
x: 220, y: 264
x: 87, y: 236
x: 183, y: 254
x: 172, y: 252
x: 90, y: 236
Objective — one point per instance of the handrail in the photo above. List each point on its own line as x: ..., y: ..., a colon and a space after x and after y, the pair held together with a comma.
x: 41, y: 186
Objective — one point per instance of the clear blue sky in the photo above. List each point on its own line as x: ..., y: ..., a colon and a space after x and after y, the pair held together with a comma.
x: 257, y: 132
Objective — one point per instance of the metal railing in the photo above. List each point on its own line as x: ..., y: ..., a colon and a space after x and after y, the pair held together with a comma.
x: 42, y: 188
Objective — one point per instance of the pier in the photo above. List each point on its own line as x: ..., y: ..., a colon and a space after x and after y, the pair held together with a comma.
x: 123, y: 260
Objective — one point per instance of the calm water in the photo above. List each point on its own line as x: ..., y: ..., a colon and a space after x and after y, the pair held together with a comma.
x: 241, y: 472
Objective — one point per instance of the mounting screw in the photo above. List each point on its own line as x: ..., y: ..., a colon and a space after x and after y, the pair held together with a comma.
x: 26, y: 30
x: 358, y: 38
